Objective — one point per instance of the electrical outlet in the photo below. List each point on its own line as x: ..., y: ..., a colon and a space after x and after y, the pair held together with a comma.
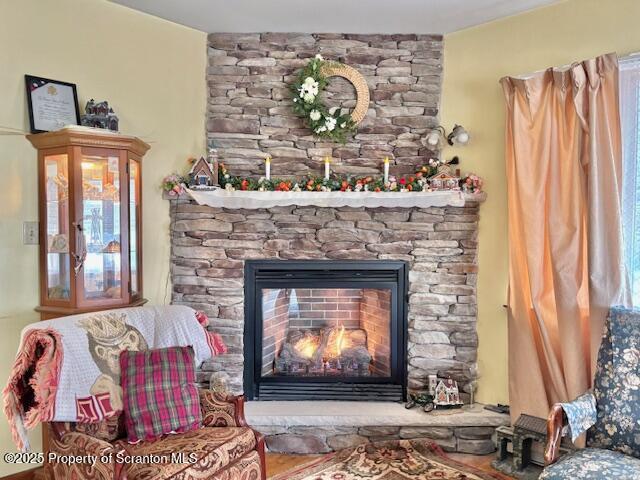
x: 30, y: 233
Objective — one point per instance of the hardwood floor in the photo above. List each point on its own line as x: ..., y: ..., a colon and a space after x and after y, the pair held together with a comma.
x: 481, y: 462
x: 278, y: 463
x: 30, y: 474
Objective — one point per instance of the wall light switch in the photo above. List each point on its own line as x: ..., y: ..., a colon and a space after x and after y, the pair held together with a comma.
x: 30, y: 233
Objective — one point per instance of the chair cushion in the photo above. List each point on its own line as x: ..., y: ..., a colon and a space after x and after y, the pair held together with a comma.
x: 108, y: 429
x: 203, y: 450
x: 248, y: 467
x: 593, y: 464
x: 617, y: 385
x: 159, y: 392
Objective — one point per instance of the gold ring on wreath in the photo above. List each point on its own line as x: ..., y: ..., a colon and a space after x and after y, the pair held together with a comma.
x: 333, y: 69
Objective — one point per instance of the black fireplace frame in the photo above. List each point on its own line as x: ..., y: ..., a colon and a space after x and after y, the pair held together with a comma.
x: 259, y: 274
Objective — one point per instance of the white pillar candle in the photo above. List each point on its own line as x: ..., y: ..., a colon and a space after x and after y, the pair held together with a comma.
x: 386, y: 169
x: 327, y: 168
x: 267, y: 168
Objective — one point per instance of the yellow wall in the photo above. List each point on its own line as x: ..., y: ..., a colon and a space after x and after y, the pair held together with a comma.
x: 151, y: 71
x: 475, y: 59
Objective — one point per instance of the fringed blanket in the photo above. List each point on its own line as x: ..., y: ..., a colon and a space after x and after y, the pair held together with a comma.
x: 68, y: 370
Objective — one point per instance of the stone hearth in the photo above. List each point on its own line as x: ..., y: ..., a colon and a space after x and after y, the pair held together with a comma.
x: 318, y: 427
x: 209, y: 246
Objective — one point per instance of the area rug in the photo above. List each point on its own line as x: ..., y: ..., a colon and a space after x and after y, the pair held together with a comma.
x: 392, y: 460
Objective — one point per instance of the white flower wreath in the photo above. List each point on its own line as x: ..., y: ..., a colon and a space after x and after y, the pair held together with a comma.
x: 333, y: 123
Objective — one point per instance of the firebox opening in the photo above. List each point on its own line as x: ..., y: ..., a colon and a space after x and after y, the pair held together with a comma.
x: 326, y: 331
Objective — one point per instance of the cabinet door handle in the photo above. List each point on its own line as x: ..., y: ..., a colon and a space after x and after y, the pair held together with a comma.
x: 81, y: 247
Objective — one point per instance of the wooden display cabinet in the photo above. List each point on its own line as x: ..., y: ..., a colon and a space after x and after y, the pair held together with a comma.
x: 90, y: 206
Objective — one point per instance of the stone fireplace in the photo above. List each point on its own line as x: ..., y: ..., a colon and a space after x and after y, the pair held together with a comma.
x: 325, y: 330
x: 213, y: 248
x: 301, y: 336
x: 210, y: 246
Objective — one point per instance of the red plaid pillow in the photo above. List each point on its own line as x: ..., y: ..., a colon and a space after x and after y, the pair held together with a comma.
x: 159, y: 392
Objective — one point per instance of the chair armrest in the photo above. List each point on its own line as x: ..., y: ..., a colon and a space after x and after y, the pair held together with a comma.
x: 555, y: 424
x: 221, y: 410
x: 579, y: 415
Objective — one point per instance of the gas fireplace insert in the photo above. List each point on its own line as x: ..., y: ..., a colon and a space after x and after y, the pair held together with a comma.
x: 330, y: 330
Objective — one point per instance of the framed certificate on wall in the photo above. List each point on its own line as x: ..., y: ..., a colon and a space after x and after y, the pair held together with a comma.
x: 52, y: 104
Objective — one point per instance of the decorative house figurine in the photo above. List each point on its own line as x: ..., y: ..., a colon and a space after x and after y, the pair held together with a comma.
x: 90, y: 107
x: 99, y: 115
x: 442, y: 393
x: 112, y: 121
x: 102, y: 108
x: 444, y: 180
x: 445, y: 392
x: 201, y: 175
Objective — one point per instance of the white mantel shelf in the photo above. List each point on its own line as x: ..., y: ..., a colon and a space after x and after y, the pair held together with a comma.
x: 221, y: 198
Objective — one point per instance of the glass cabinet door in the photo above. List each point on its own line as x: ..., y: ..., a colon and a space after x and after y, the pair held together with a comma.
x: 58, y: 265
x: 134, y: 224
x: 100, y: 219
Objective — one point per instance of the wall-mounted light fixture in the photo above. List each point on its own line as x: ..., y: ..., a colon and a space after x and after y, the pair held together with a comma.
x: 435, y: 138
x: 458, y: 136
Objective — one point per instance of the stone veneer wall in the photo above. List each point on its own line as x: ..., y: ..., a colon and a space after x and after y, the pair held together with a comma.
x: 249, y: 108
x: 209, y: 246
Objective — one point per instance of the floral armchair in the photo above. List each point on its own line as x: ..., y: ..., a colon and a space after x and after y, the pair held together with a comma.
x: 225, y: 449
x: 610, y: 414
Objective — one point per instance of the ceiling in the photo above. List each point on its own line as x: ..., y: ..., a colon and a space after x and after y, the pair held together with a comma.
x: 329, y: 16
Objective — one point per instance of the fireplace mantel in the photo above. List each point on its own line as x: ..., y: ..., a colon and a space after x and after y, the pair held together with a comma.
x: 220, y: 198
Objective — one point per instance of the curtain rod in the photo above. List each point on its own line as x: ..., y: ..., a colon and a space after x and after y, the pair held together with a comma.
x: 628, y: 58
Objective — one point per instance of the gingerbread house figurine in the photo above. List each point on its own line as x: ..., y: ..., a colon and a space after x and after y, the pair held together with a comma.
x: 447, y: 393
x: 201, y: 174
x: 444, y: 181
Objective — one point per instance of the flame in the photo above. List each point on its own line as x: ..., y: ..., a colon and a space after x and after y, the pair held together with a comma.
x: 307, y: 346
x: 340, y: 340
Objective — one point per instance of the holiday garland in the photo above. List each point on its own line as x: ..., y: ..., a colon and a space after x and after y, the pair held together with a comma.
x: 174, y: 184
x: 418, y: 182
x: 332, y: 123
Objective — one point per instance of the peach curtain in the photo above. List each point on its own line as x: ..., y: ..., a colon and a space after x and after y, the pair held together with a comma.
x: 563, y: 153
